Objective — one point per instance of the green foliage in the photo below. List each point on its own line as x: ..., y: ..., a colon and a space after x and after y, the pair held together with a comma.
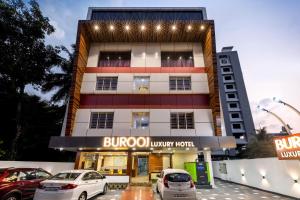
x: 260, y: 146
x: 61, y: 80
x: 2, y: 152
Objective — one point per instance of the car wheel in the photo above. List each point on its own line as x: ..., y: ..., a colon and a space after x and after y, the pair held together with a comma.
x: 105, y: 189
x: 82, y: 196
x: 12, y: 197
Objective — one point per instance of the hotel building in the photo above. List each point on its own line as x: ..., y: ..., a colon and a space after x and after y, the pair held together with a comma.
x: 145, y: 92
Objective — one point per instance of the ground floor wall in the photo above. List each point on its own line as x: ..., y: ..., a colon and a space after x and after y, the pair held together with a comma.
x: 271, y: 174
x: 52, y: 167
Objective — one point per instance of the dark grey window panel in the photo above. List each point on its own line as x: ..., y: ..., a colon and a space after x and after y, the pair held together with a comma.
x: 101, y: 120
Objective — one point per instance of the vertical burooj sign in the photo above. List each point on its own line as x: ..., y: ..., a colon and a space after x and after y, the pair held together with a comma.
x: 288, y: 147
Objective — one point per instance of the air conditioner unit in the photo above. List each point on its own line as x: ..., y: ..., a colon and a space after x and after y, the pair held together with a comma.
x: 224, y: 61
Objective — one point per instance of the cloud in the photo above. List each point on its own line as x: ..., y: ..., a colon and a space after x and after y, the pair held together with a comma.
x: 59, y: 32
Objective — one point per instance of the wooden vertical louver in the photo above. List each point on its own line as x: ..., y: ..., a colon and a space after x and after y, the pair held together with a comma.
x: 80, y: 62
x: 210, y: 60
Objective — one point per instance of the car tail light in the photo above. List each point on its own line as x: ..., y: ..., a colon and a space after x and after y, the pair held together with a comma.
x: 41, y: 186
x: 166, y: 182
x: 68, y: 187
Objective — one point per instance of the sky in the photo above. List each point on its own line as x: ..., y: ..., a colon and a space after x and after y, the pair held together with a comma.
x: 266, y: 34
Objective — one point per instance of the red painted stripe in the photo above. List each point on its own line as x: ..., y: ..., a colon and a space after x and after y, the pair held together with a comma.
x: 176, y: 101
x: 145, y: 70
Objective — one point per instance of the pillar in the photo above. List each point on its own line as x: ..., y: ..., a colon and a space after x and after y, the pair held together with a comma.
x: 207, y: 158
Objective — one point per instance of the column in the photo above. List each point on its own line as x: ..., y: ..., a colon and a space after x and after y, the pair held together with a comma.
x: 207, y: 158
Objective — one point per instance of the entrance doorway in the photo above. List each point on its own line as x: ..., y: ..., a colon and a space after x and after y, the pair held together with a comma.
x: 140, y: 167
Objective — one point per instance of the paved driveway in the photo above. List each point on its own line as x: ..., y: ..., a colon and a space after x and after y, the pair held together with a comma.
x: 223, y: 191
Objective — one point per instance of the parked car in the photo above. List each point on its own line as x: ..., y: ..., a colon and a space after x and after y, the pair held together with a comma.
x: 175, y: 184
x: 20, y: 183
x: 72, y: 185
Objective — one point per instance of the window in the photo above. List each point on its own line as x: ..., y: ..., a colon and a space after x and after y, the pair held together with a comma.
x: 42, y: 174
x: 182, y: 120
x: 229, y: 87
x: 235, y: 115
x: 140, y: 119
x: 177, y: 59
x: 228, y: 78
x: 226, y: 70
x: 114, y: 59
x: 141, y: 83
x: 101, y: 120
x: 224, y: 60
x: 65, y: 176
x: 11, y: 177
x: 88, y: 176
x: 180, y: 83
x: 233, y: 106
x: 236, y: 126
x: 231, y: 96
x: 107, y: 83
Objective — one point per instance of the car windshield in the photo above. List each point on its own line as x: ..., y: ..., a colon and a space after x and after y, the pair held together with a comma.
x: 178, y: 177
x: 65, y: 176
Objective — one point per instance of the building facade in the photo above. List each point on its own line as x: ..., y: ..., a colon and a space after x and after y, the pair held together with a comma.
x: 233, y: 95
x: 144, y: 95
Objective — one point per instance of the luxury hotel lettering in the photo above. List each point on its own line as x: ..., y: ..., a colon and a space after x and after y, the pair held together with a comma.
x: 142, y: 142
x: 288, y: 147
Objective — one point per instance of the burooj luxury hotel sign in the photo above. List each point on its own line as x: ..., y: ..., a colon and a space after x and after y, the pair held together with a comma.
x: 288, y: 147
x: 143, y: 142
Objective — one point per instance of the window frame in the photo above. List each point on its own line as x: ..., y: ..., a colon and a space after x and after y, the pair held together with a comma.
x: 111, y: 79
x: 185, y: 125
x: 185, y: 87
x: 107, y: 124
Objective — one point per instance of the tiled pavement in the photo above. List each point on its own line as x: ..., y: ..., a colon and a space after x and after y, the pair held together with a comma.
x: 223, y: 191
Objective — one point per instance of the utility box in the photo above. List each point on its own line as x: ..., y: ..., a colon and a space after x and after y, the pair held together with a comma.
x: 199, y: 172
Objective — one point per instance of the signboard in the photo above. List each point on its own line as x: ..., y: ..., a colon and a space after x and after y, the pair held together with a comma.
x: 143, y: 142
x: 288, y: 147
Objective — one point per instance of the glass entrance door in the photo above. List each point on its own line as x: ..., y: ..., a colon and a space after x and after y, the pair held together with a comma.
x: 142, y: 166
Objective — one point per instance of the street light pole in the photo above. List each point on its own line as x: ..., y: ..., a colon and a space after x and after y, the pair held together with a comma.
x: 288, y: 130
x: 286, y: 104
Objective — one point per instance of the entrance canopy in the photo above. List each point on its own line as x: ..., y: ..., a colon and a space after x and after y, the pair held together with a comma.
x: 141, y: 142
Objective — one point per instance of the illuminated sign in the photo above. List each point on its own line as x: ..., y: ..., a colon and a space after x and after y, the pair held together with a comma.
x: 288, y: 147
x: 143, y: 142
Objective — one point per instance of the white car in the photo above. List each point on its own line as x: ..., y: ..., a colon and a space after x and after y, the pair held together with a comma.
x: 175, y: 184
x: 72, y: 185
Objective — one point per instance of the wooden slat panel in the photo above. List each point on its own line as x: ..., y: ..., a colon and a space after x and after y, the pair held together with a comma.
x: 209, y: 51
x: 81, y: 56
x: 155, y: 162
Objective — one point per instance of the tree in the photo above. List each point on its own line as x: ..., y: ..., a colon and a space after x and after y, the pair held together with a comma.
x: 259, y: 146
x: 61, y: 79
x: 25, y: 59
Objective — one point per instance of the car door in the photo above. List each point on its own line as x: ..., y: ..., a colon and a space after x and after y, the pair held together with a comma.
x: 27, y: 183
x: 99, y: 182
x: 89, y: 183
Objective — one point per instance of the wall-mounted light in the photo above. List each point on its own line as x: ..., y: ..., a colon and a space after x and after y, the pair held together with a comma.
x: 96, y: 27
x: 189, y: 27
x: 158, y: 27
x: 98, y: 149
x: 133, y: 149
x: 202, y: 27
x: 127, y: 27
x: 111, y: 27
x: 143, y: 27
x: 174, y: 28
x: 80, y: 149
x: 61, y: 149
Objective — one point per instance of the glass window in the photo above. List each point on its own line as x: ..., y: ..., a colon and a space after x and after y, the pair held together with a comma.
x: 228, y: 78
x: 233, y: 105
x: 182, y: 120
x: 140, y: 119
x: 12, y: 176
x: 235, y: 115
x: 180, y: 83
x: 229, y: 86
x: 42, y: 174
x: 88, y: 176
x: 141, y: 83
x: 114, y: 59
x: 236, y: 126
x: 101, y: 120
x: 178, y: 177
x: 231, y: 95
x: 107, y: 83
x: 65, y: 176
x: 226, y: 69
x: 177, y: 59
